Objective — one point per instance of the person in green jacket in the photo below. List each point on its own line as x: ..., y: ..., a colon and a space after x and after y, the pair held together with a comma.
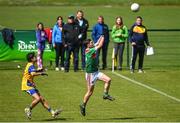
x: 119, y: 36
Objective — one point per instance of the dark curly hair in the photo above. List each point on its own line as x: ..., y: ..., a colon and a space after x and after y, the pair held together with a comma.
x: 29, y: 56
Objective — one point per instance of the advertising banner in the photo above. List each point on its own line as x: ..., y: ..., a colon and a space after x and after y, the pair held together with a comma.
x: 25, y: 41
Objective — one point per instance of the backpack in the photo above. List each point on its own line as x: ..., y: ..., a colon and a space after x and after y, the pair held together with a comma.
x: 48, y: 32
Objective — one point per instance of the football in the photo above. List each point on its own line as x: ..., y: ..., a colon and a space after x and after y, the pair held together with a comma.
x: 18, y: 66
x: 135, y: 7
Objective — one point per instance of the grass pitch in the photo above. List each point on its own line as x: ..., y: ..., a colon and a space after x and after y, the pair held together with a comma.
x: 65, y: 90
x: 133, y: 102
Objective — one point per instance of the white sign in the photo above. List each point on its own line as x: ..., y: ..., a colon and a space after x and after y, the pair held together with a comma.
x: 150, y: 51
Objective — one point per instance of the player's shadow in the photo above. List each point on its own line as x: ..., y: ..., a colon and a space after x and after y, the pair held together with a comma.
x: 130, y: 118
x: 58, y: 119
x: 120, y: 118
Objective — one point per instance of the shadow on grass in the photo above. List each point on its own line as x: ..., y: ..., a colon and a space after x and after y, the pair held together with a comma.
x: 120, y: 118
x: 59, y: 119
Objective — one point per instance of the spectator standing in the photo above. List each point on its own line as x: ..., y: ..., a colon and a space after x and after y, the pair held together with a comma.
x: 84, y: 25
x: 138, y: 37
x: 41, y: 40
x: 119, y: 36
x: 71, y: 33
x: 57, y: 42
x: 101, y: 29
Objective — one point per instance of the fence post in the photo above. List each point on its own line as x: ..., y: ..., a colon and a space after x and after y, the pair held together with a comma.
x: 128, y: 54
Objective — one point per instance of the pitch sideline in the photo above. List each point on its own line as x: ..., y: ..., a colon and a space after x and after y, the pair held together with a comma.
x: 146, y: 86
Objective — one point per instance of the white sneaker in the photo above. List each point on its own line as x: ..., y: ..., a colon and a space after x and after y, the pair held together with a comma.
x: 28, y: 112
x: 62, y: 68
x: 56, y: 113
x: 56, y: 69
x: 140, y: 71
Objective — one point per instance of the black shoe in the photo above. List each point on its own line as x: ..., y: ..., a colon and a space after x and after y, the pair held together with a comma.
x: 83, y: 110
x: 108, y: 97
x: 66, y: 71
x: 104, y: 67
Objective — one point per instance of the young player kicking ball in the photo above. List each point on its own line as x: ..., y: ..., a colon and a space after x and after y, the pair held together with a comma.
x: 28, y: 86
x: 92, y: 73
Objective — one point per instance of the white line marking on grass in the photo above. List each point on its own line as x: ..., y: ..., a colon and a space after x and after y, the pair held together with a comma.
x: 146, y: 86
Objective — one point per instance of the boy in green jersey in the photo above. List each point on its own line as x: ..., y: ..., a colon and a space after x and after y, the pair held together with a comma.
x: 93, y: 74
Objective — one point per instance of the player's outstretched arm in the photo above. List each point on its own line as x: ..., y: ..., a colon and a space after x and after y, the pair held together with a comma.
x: 100, y: 42
x: 39, y: 73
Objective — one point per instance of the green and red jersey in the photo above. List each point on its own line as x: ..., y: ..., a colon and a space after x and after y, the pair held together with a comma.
x: 91, y: 60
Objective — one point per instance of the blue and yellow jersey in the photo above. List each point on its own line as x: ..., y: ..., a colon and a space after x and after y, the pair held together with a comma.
x: 138, y: 34
x: 27, y: 79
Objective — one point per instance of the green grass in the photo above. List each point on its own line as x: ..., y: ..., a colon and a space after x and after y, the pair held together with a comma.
x: 133, y: 102
x: 27, y: 17
x: 86, y: 2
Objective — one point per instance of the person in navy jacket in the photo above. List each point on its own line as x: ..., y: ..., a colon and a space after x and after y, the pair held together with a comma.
x: 138, y: 37
x: 98, y: 30
x: 57, y: 42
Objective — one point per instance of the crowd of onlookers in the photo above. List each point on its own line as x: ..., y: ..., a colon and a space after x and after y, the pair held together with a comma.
x: 67, y: 38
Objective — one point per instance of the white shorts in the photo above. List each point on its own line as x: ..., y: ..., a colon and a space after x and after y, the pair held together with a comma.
x: 91, y: 78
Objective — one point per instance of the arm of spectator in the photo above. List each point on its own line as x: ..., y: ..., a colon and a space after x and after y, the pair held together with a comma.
x: 133, y: 43
x: 93, y: 35
x: 53, y: 36
x: 146, y: 39
x: 38, y: 35
x: 113, y: 35
x: 125, y: 35
x: 45, y: 35
x: 85, y: 27
x: 107, y: 33
x: 130, y: 34
x: 63, y: 37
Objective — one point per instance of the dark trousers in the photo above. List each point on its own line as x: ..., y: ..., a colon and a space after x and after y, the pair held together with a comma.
x: 104, y: 54
x: 118, y: 50
x: 137, y: 49
x: 75, y: 51
x: 83, y: 62
x: 59, y: 53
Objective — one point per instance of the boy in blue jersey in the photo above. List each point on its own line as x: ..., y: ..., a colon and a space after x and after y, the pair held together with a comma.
x: 29, y: 86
